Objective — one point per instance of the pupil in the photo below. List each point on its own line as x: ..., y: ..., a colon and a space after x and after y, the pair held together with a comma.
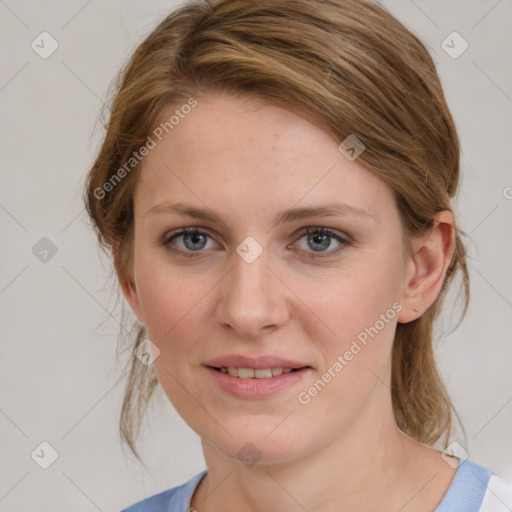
x: 317, y: 239
x: 195, y: 239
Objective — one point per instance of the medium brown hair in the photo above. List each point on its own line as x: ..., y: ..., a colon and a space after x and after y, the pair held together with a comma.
x: 349, y: 66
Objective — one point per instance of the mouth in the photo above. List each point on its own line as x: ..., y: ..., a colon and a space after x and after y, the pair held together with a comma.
x: 256, y: 377
x: 264, y: 382
x: 256, y: 373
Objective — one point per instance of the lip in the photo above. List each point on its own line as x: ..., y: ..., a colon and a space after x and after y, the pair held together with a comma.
x: 254, y: 389
x: 238, y: 361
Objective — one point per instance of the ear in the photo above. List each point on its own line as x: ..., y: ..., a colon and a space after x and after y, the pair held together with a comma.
x: 128, y: 287
x: 429, y: 261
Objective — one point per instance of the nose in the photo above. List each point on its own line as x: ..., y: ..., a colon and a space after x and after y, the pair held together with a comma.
x: 252, y: 299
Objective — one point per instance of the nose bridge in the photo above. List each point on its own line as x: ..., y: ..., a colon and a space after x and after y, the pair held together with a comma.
x: 250, y: 299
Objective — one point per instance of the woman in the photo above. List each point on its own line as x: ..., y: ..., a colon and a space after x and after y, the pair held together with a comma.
x: 275, y: 186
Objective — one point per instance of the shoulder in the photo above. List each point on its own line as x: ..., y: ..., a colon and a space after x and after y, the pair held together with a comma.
x: 476, y: 489
x: 176, y: 499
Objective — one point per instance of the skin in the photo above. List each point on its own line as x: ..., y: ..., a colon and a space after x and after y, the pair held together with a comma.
x: 248, y: 160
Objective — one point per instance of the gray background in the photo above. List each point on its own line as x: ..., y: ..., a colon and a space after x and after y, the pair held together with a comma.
x: 59, y: 378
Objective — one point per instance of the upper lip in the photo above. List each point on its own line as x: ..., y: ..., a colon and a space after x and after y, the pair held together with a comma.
x: 238, y: 361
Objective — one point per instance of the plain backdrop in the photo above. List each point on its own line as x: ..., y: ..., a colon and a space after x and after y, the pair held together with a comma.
x: 60, y: 378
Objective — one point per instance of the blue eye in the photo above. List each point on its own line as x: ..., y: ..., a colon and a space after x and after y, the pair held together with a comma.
x: 192, y: 240
x: 319, y: 239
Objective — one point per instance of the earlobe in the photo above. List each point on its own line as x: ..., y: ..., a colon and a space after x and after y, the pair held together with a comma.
x: 128, y: 287
x: 130, y: 293
x: 430, y: 259
x: 410, y: 302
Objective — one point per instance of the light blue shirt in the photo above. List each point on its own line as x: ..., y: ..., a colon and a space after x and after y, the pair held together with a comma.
x: 465, y: 493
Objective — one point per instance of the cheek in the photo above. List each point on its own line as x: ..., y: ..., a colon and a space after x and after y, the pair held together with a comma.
x: 169, y: 300
x: 175, y: 320
x: 347, y: 303
x: 166, y: 291
x: 358, y: 310
x: 176, y: 304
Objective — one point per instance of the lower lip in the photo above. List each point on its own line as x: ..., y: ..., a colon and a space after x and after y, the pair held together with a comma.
x: 256, y: 388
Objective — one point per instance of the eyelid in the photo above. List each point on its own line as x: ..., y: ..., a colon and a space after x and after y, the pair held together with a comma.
x: 344, y: 239
x: 165, y: 240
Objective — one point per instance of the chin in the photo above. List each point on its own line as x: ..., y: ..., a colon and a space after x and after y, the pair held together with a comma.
x: 260, y: 443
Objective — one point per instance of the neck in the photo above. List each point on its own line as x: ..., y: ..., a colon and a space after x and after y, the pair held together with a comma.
x: 374, y: 466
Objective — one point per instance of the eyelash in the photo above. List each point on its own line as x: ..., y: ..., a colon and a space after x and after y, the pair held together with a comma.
x: 319, y: 231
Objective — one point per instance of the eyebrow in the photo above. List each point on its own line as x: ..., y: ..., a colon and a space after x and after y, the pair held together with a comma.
x: 290, y: 215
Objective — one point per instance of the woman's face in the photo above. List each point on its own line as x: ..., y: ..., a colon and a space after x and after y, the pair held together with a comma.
x: 252, y: 289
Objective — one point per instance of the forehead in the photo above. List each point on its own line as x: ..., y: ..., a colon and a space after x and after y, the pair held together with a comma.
x: 233, y: 151
x: 228, y: 126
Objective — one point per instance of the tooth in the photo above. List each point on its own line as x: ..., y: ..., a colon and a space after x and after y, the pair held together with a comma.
x: 263, y: 373
x: 245, y: 373
x: 249, y: 373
